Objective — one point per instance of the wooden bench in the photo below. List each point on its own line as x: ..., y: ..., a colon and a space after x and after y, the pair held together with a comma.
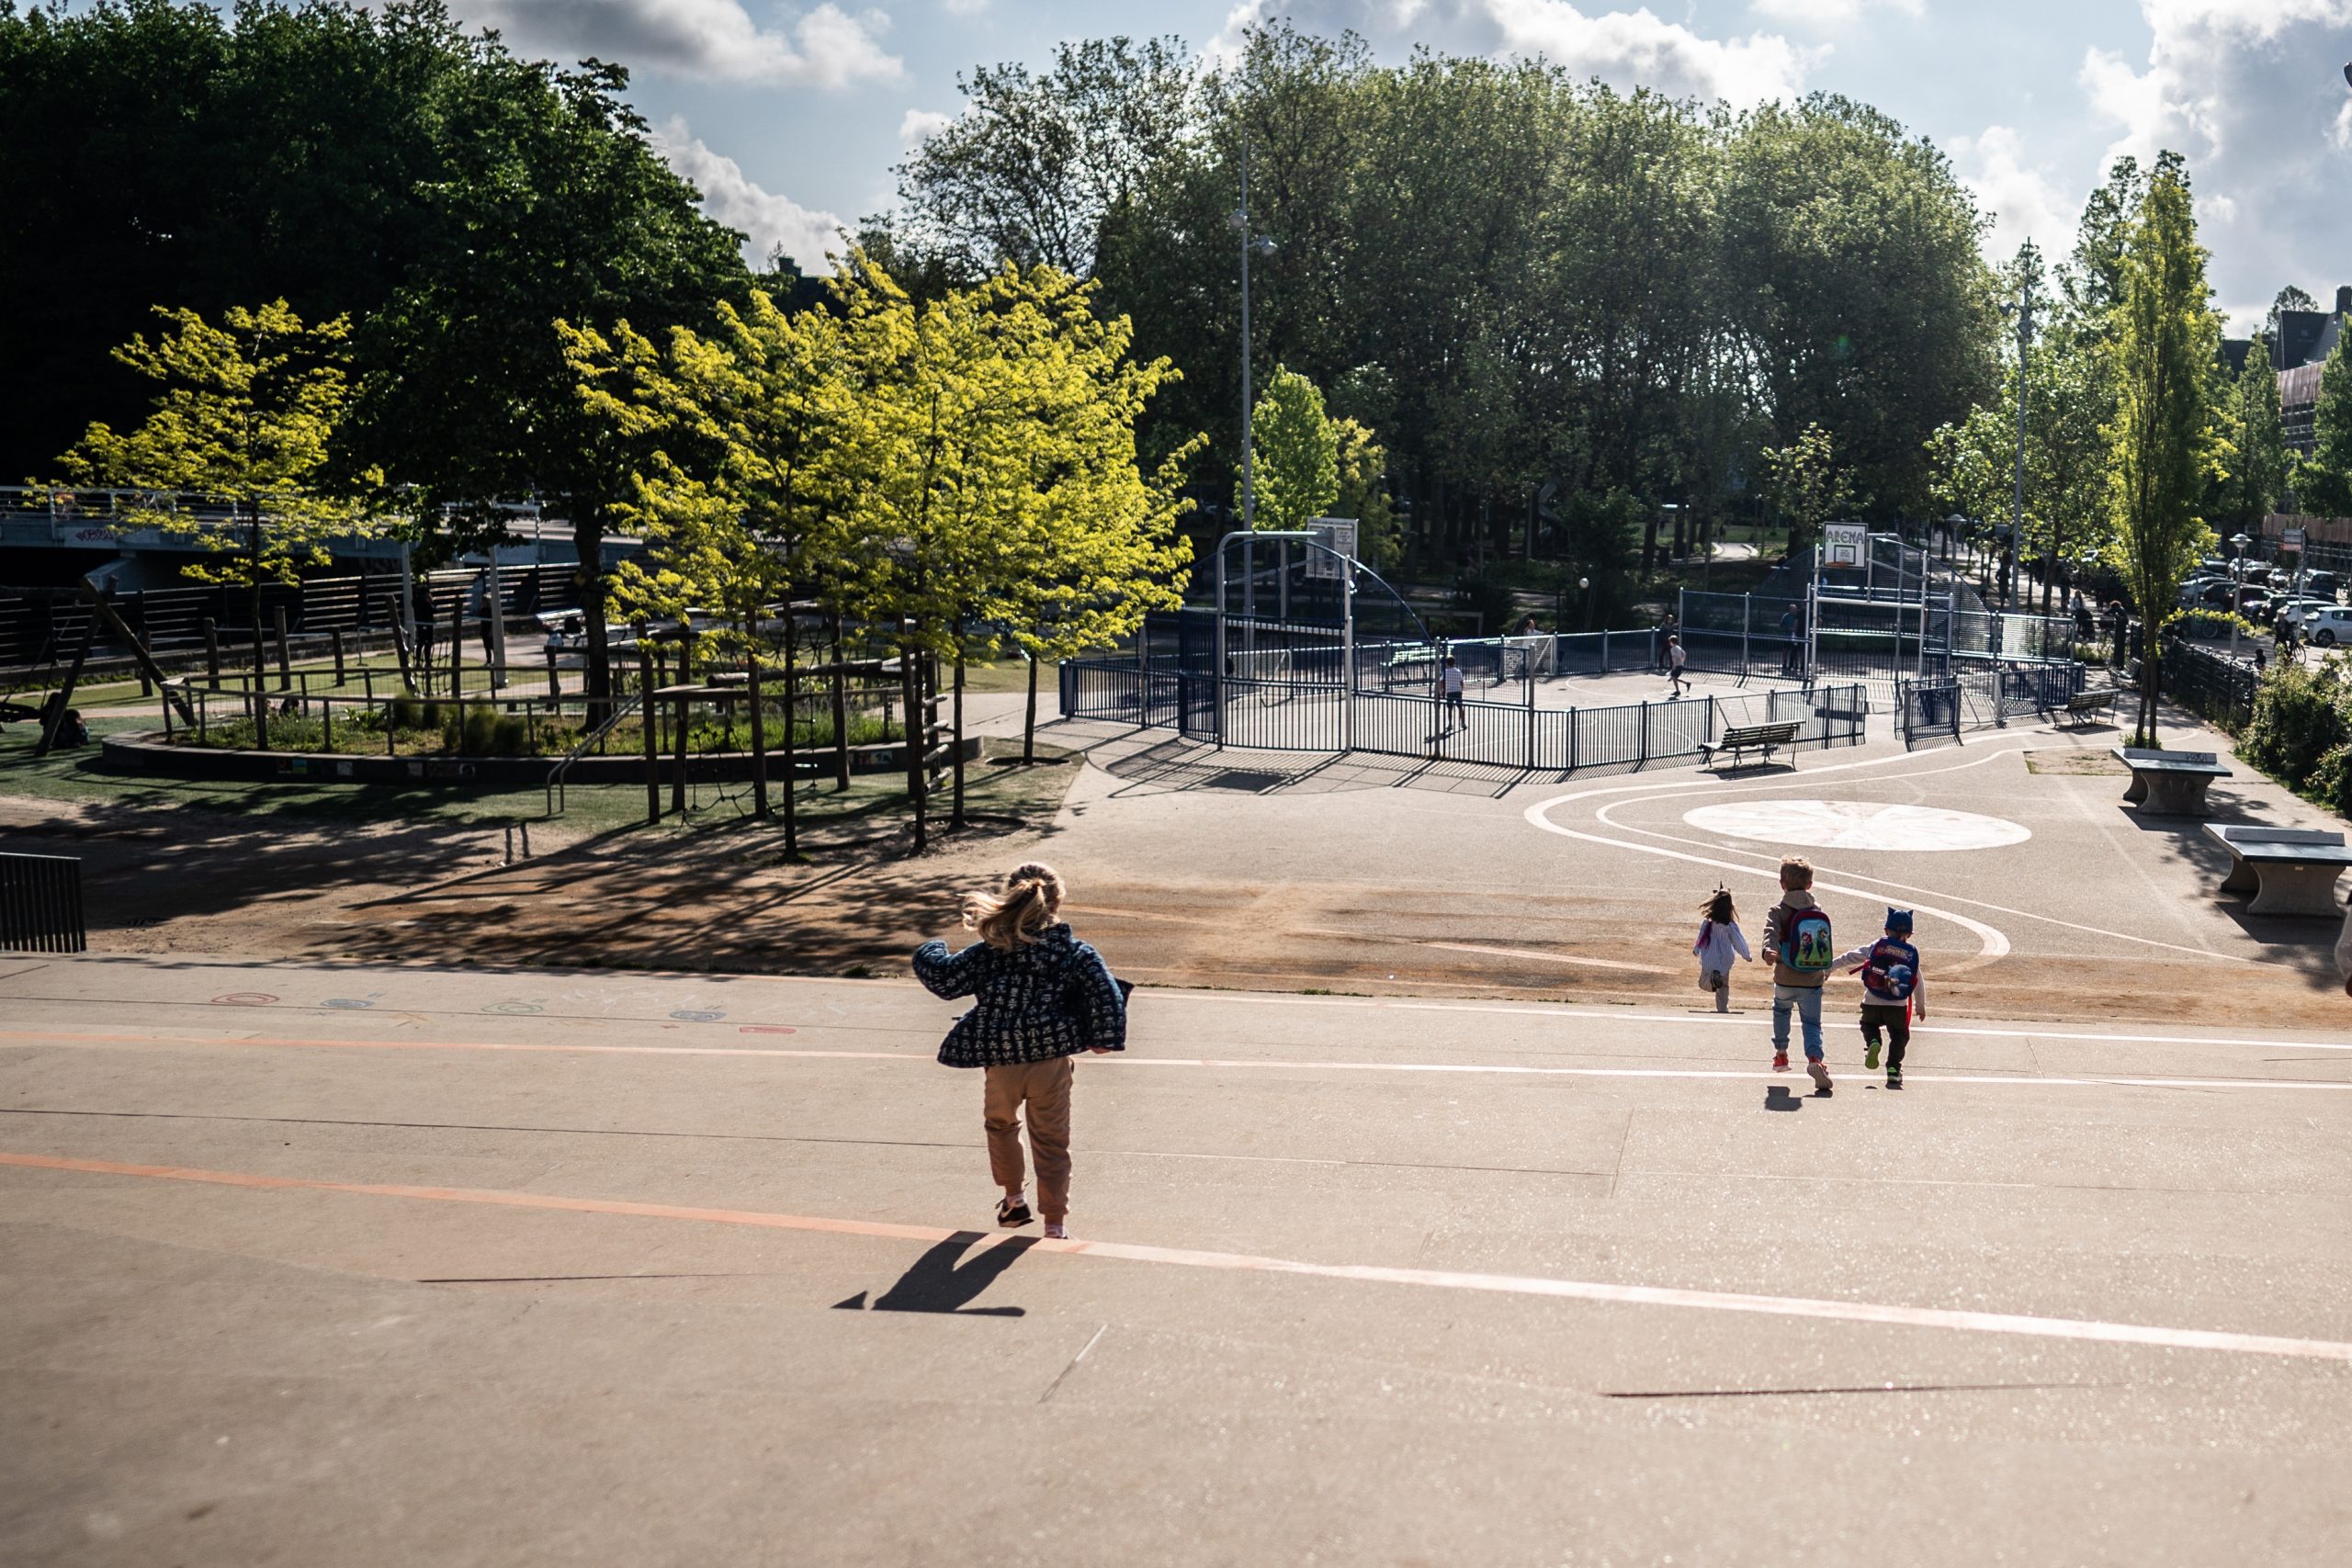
x: 2288, y: 871
x: 1742, y: 738
x: 2169, y: 783
x: 2083, y: 705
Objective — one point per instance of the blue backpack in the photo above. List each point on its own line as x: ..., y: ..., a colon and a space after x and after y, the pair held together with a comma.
x: 1892, y: 972
x: 1806, y: 945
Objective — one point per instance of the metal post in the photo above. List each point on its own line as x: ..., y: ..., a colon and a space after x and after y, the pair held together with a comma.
x: 646, y: 707
x: 1216, y: 676
x: 1746, y: 614
x: 2025, y: 337
x: 1348, y: 653
x: 497, y: 626
x: 338, y: 636
x: 1249, y: 442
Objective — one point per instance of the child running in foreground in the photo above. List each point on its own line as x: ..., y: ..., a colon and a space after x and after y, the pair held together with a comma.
x: 1042, y: 997
x: 1893, y: 992
x: 1796, y: 935
x: 1719, y: 939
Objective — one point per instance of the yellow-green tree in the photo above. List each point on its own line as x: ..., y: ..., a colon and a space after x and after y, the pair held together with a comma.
x: 2165, y: 444
x: 1104, y: 548
x: 244, y: 413
x: 990, y: 487
x: 1363, y: 464
x: 1296, y: 475
x: 739, y: 498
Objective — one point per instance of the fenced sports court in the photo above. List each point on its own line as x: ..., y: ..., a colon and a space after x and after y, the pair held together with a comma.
x: 1305, y: 651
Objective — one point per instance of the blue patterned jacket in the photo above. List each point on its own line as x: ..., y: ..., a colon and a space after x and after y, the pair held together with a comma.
x: 1020, y: 1015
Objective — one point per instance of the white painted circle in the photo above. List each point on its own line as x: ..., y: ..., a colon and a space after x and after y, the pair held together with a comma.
x: 1857, y: 825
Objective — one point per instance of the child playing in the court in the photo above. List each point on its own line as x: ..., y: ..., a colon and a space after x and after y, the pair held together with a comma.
x: 1797, y: 934
x: 1893, y: 992
x: 1719, y: 940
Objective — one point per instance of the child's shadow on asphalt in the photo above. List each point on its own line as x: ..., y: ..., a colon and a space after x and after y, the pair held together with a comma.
x: 1778, y: 1097
x: 936, y: 1285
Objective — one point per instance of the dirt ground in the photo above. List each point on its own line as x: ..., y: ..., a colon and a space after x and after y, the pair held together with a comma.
x: 1270, y: 873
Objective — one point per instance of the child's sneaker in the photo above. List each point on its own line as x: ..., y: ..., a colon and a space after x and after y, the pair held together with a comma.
x: 1780, y: 1061
x: 1894, y: 1077
x: 1869, y: 1055
x: 1820, y: 1071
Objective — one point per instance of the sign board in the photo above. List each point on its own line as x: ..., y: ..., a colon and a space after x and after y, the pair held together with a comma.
x: 1844, y: 544
x: 2291, y: 539
x: 1338, y: 534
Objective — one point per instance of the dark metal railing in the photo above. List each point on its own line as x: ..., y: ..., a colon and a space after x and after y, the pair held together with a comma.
x: 40, y: 904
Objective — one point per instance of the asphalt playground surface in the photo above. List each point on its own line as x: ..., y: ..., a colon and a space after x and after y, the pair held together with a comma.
x: 336, y: 1263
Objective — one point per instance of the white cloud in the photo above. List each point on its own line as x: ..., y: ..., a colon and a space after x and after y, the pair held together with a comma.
x: 709, y: 40
x: 920, y: 124
x: 728, y: 195
x: 1828, y: 16
x: 2023, y: 201
x: 1625, y: 48
x: 2251, y: 91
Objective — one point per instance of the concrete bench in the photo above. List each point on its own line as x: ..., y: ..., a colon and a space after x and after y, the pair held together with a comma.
x: 2169, y: 783
x: 2085, y: 704
x: 1742, y: 738
x: 2288, y: 871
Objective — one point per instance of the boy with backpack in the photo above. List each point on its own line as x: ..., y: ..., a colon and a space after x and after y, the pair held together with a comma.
x: 1796, y: 935
x: 1893, y: 992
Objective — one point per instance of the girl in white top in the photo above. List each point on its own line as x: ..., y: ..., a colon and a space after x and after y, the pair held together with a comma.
x: 1719, y: 939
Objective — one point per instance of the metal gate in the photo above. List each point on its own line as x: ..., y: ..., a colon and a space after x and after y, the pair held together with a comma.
x: 40, y: 904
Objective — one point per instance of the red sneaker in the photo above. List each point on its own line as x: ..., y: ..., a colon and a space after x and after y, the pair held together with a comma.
x: 1780, y: 1061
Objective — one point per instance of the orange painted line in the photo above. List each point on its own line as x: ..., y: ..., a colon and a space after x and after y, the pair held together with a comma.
x: 1185, y: 1257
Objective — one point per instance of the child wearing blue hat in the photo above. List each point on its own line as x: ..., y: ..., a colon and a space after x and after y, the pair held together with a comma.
x: 1893, y: 992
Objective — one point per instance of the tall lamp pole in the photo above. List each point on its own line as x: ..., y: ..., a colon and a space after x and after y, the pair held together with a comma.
x: 1263, y: 247
x: 2017, y: 515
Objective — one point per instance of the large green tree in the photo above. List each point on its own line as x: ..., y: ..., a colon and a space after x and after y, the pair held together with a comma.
x: 1296, y: 472
x: 2323, y: 480
x: 2164, y: 443
x: 245, y: 412
x: 2258, y: 466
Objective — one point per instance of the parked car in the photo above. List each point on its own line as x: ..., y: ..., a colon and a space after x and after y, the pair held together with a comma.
x: 2192, y: 593
x: 2322, y: 584
x: 2329, y: 626
x: 2298, y: 611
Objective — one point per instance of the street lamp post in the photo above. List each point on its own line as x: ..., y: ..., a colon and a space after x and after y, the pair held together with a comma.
x: 2024, y: 310
x: 1263, y: 247
x: 2238, y: 543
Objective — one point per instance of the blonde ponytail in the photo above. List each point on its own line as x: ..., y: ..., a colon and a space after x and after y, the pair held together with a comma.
x: 1031, y: 899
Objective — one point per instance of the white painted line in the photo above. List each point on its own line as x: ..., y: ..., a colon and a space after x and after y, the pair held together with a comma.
x: 1137, y: 1059
x: 2085, y: 1330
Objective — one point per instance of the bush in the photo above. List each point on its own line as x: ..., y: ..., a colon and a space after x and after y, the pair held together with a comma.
x: 2211, y: 625
x: 479, y: 729
x: 2302, y: 720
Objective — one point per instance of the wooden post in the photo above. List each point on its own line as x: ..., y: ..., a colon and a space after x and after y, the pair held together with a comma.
x: 678, y: 742
x: 458, y: 654
x: 956, y: 818
x: 840, y: 710
x: 327, y: 723
x: 645, y: 715
x: 555, y: 681
x: 760, y: 744
x: 54, y: 719
x: 285, y: 669
x: 339, y: 677
x: 212, y: 651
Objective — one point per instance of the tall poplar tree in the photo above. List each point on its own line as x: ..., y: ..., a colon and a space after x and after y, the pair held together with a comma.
x: 2164, y: 444
x: 2323, y: 480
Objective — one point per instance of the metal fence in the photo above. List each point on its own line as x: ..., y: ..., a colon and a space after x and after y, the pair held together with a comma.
x: 2219, y: 689
x: 40, y: 904
x: 1325, y: 716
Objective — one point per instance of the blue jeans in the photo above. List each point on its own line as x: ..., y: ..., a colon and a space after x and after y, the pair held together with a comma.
x: 1806, y: 1000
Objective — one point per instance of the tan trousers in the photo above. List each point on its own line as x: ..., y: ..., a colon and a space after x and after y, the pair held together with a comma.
x: 1044, y: 1086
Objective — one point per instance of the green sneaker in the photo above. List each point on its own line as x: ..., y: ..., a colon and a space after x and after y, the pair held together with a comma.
x: 1894, y: 1077
x: 1869, y: 1054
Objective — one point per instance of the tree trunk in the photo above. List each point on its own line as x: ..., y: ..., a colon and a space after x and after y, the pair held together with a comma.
x: 910, y: 694
x: 1029, y: 723
x: 955, y: 817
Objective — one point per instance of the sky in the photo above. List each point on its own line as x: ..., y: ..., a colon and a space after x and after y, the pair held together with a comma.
x: 790, y: 117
